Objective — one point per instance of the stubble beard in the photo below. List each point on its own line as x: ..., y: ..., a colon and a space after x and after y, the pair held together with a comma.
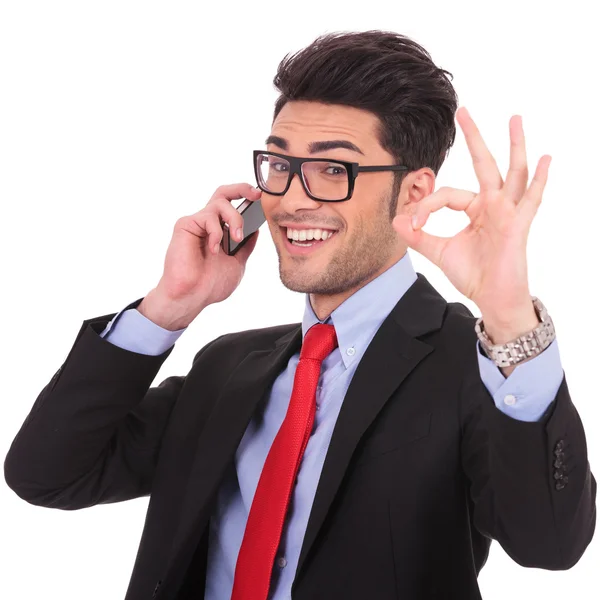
x: 363, y: 254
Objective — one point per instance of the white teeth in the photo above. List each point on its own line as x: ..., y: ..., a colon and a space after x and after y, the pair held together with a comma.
x: 308, y: 234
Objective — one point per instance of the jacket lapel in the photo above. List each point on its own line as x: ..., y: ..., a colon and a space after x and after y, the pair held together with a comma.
x: 393, y: 353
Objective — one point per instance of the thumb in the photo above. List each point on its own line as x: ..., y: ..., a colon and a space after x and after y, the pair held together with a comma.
x: 430, y: 246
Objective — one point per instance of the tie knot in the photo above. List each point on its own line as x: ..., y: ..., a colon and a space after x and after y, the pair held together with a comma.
x: 319, y: 342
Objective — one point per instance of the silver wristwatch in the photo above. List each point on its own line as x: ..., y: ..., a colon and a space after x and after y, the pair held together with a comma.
x: 521, y: 348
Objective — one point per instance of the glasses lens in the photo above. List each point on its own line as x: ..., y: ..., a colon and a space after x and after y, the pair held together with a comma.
x: 326, y: 180
x: 273, y: 172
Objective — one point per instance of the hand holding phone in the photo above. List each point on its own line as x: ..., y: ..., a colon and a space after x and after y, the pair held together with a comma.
x: 254, y: 217
x: 196, y: 273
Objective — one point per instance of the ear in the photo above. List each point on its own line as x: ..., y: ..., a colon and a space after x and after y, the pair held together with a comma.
x: 415, y: 186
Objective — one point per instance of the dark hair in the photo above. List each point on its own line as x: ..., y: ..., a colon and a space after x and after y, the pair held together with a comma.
x: 388, y: 74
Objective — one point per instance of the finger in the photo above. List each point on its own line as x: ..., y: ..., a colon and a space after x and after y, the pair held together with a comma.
x: 235, y: 191
x: 446, y: 196
x: 232, y: 217
x: 205, y: 226
x: 533, y: 196
x: 484, y: 163
x: 518, y: 173
x: 430, y: 246
x: 225, y: 213
x: 244, y: 252
x: 214, y: 230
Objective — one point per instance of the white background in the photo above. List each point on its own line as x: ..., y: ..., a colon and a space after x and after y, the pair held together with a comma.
x: 117, y: 118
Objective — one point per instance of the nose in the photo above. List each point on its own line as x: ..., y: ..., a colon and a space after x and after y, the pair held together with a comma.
x: 296, y: 198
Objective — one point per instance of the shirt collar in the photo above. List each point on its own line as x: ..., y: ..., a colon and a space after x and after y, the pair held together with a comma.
x: 359, y: 317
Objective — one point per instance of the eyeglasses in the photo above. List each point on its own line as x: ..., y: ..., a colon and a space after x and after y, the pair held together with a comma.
x: 323, y: 179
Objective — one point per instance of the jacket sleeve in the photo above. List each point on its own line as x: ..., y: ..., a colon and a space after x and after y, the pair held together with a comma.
x: 94, y: 432
x: 530, y: 483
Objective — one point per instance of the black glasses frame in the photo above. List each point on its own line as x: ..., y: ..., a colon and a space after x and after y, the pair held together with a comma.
x: 352, y: 168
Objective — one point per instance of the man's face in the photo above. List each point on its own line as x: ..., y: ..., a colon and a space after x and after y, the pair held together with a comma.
x: 364, y: 241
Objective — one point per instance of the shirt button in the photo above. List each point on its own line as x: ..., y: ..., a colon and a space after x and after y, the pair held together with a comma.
x: 281, y: 561
x: 351, y: 351
x: 509, y: 399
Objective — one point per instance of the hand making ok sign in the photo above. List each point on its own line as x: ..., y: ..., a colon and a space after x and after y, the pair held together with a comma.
x: 486, y: 261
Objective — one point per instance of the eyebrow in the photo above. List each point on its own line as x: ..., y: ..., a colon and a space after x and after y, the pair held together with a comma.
x: 315, y: 147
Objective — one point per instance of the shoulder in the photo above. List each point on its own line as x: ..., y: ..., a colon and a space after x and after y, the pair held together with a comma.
x: 458, y: 337
x: 459, y: 319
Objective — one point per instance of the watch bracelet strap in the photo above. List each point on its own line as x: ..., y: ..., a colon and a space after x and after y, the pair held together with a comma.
x: 521, y: 348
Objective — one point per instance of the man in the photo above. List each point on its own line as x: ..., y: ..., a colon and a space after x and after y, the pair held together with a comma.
x: 376, y: 448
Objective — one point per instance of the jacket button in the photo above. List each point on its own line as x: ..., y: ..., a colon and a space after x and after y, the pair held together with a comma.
x: 560, y: 485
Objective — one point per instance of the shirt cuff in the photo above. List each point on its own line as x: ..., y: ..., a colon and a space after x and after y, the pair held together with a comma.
x: 530, y: 389
x: 132, y: 331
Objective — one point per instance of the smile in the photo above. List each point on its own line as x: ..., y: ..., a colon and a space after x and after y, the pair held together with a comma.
x: 300, y: 247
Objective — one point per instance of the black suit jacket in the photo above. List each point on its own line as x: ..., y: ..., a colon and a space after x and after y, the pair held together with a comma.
x: 423, y: 471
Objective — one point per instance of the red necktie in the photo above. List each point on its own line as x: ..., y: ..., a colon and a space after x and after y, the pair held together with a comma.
x: 270, y: 502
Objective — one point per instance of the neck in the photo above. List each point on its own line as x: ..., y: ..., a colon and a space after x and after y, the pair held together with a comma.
x: 324, y: 304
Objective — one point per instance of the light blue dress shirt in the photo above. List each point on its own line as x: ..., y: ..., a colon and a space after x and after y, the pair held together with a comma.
x: 524, y: 395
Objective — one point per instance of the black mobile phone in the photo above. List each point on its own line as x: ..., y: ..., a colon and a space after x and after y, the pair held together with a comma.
x: 252, y: 213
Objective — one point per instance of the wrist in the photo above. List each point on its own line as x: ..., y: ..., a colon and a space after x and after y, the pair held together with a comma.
x: 165, y: 312
x: 506, y: 329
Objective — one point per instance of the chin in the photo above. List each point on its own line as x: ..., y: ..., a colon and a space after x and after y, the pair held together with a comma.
x: 291, y: 280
